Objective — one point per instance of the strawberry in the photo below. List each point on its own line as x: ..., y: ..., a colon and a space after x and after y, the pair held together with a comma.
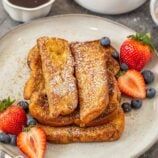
x: 136, y: 51
x: 32, y: 142
x: 132, y: 84
x: 12, y: 117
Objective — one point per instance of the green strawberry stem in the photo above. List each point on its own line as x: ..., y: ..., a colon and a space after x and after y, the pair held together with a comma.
x: 27, y: 129
x: 145, y: 38
x: 120, y: 73
x: 5, y: 103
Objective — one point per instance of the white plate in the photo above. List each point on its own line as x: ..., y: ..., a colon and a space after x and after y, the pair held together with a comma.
x: 141, y: 126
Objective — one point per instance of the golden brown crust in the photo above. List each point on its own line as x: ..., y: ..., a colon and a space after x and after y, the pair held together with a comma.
x: 107, y: 126
x: 114, y: 102
x: 35, y: 81
x: 113, y: 65
x: 39, y: 104
x: 39, y: 109
x: 36, y: 77
x: 107, y: 132
x: 58, y: 70
x: 91, y: 75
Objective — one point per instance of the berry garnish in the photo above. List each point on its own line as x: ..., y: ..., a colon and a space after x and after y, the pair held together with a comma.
x: 126, y: 107
x: 32, y: 142
x: 124, y: 67
x: 12, y: 117
x: 31, y: 121
x: 150, y: 93
x: 136, y: 104
x: 148, y: 76
x: 105, y: 41
x: 13, y: 139
x: 24, y: 105
x: 4, y: 138
x: 136, y: 51
x: 115, y: 55
x: 132, y: 84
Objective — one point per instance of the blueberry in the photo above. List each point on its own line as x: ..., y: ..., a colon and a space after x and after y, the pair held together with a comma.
x: 148, y: 76
x: 105, y: 41
x: 4, y: 138
x: 136, y: 104
x: 24, y: 105
x: 115, y: 55
x: 31, y: 121
x: 124, y: 67
x: 13, y: 139
x: 150, y: 93
x: 126, y: 107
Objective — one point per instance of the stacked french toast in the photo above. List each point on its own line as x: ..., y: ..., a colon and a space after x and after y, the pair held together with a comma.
x: 73, y: 91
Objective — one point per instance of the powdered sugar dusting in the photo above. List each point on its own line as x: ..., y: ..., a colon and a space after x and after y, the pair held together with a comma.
x: 58, y: 70
x: 91, y: 76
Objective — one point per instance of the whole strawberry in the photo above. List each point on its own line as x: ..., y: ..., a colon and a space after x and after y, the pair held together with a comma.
x: 12, y: 117
x: 136, y: 51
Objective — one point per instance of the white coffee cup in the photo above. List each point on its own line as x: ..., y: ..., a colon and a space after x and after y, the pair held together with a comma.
x: 111, y: 6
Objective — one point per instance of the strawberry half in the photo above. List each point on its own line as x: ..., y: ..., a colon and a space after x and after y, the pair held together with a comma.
x: 132, y: 84
x: 136, y: 51
x: 32, y: 142
x: 12, y: 117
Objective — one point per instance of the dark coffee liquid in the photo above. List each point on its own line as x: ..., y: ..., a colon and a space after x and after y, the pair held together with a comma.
x: 28, y: 3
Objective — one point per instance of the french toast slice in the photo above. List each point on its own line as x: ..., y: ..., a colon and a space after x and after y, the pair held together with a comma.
x: 107, y: 132
x: 58, y: 72
x: 114, y: 103
x: 39, y: 103
x: 92, y: 79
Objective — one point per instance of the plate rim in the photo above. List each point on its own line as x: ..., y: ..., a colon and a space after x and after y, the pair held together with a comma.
x: 22, y: 26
